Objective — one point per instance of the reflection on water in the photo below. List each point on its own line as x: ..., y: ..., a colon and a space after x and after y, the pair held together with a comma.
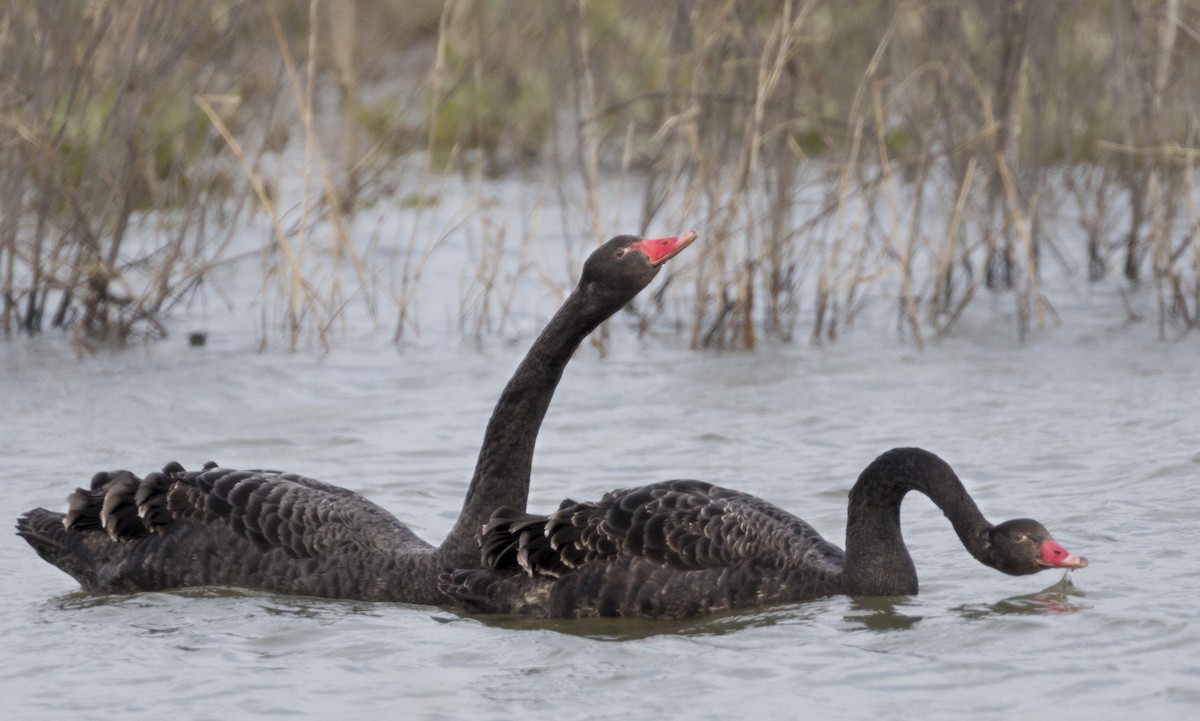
x: 83, y: 600
x: 881, y: 613
x: 632, y: 629
x: 1055, y: 600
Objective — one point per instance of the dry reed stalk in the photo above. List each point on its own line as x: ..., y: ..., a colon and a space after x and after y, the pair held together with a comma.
x: 415, y: 259
x: 332, y: 196
x: 298, y: 284
x: 906, y: 255
x: 1030, y: 293
x: 98, y: 141
x: 416, y: 256
x: 488, y: 267
x: 723, y: 111
x: 343, y: 22
x: 734, y: 318
x: 1193, y: 236
x: 946, y: 259
x: 825, y: 324
x: 307, y: 300
x: 586, y: 144
x: 486, y: 304
x: 584, y: 85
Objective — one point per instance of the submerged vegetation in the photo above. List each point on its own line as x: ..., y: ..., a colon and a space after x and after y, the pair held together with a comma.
x: 927, y: 152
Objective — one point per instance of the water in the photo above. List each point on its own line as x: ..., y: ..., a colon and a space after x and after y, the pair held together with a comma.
x: 1091, y: 428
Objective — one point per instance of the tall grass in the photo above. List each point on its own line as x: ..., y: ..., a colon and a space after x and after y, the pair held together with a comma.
x: 923, y: 152
x: 92, y: 142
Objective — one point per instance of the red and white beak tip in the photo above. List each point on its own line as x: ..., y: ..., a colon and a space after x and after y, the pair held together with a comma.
x: 1052, y: 555
x: 660, y: 250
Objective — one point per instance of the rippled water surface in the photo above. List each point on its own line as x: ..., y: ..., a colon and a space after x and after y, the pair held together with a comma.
x: 1096, y: 433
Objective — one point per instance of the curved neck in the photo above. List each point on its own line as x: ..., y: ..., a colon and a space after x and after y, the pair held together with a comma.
x: 877, y: 562
x: 506, y: 456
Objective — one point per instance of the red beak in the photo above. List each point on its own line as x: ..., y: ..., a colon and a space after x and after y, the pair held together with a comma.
x: 660, y: 250
x: 1052, y: 555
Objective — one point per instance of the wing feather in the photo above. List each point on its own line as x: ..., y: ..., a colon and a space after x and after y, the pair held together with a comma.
x: 256, y: 529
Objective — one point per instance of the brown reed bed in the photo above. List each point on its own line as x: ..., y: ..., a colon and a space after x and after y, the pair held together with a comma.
x: 941, y: 140
x: 922, y: 153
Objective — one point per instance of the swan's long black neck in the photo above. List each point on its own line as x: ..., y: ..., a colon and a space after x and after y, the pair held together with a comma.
x: 506, y: 456
x: 877, y: 562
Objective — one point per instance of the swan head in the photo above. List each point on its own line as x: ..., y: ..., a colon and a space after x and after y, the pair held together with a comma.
x: 1023, y: 546
x: 626, y: 264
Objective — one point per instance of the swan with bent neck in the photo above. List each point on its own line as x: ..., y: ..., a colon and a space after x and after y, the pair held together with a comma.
x: 285, y: 533
x: 685, y: 548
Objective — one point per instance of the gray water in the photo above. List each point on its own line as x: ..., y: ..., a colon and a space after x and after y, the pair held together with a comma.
x: 1092, y: 427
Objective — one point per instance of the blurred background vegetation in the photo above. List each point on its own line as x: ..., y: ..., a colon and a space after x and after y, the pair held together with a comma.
x: 926, y: 151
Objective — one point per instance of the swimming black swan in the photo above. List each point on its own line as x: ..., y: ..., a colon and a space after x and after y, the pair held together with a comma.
x: 683, y: 548
x: 282, y: 532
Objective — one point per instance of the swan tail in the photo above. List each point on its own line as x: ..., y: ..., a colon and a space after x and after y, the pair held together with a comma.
x: 43, y: 530
x: 90, y: 557
x: 217, y: 526
x: 107, y: 538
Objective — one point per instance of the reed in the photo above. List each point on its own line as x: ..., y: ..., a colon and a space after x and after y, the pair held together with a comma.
x: 141, y: 136
x: 917, y: 154
x: 94, y: 141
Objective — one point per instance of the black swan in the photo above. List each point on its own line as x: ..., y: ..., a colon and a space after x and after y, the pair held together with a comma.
x: 285, y: 533
x: 684, y: 548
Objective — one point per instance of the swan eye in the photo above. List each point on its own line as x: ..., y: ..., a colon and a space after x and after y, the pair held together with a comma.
x: 620, y: 252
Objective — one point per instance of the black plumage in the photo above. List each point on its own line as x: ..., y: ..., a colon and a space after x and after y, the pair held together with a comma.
x: 221, y: 527
x: 287, y: 533
x: 682, y: 548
